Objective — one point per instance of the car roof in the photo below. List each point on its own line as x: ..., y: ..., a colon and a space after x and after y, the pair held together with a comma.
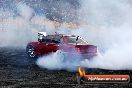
x: 64, y: 35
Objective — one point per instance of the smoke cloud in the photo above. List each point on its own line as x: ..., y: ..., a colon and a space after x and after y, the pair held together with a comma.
x: 16, y: 30
x: 20, y: 25
x: 106, y: 24
x: 59, y: 61
x: 24, y: 11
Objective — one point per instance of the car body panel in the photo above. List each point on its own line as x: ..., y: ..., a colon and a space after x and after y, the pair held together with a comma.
x: 43, y: 48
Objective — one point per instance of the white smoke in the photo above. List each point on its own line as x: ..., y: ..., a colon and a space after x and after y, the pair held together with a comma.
x: 21, y: 28
x: 117, y: 58
x: 52, y: 61
x: 16, y: 30
x: 106, y: 24
x: 25, y: 11
x: 58, y: 61
x: 111, y: 32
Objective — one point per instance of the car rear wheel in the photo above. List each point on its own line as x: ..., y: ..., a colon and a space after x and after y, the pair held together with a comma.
x: 31, y: 52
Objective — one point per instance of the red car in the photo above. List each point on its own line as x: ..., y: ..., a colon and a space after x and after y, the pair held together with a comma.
x: 70, y: 45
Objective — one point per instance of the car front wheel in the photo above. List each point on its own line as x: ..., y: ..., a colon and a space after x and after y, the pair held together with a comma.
x: 31, y: 52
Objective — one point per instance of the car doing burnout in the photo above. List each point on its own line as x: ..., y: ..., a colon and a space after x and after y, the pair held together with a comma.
x: 69, y: 44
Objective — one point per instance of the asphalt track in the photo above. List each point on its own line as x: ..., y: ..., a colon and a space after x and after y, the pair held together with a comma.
x: 17, y: 71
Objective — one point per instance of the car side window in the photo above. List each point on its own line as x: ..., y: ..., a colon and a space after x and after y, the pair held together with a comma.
x: 57, y: 39
x: 47, y: 39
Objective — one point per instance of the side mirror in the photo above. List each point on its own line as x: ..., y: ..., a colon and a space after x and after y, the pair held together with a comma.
x: 77, y: 38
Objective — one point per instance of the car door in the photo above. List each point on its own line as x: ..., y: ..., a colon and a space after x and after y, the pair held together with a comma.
x: 43, y: 45
x: 53, y: 46
x: 42, y: 48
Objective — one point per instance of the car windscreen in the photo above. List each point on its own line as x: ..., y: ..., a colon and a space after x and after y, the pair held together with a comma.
x: 74, y: 40
x: 52, y: 39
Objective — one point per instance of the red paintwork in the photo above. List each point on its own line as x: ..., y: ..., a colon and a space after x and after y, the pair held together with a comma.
x: 86, y: 51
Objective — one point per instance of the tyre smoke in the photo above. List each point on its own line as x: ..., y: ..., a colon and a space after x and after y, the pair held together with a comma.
x: 106, y: 24
x: 58, y: 61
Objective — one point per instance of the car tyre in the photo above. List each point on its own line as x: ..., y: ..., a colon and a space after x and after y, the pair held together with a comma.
x: 31, y: 52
